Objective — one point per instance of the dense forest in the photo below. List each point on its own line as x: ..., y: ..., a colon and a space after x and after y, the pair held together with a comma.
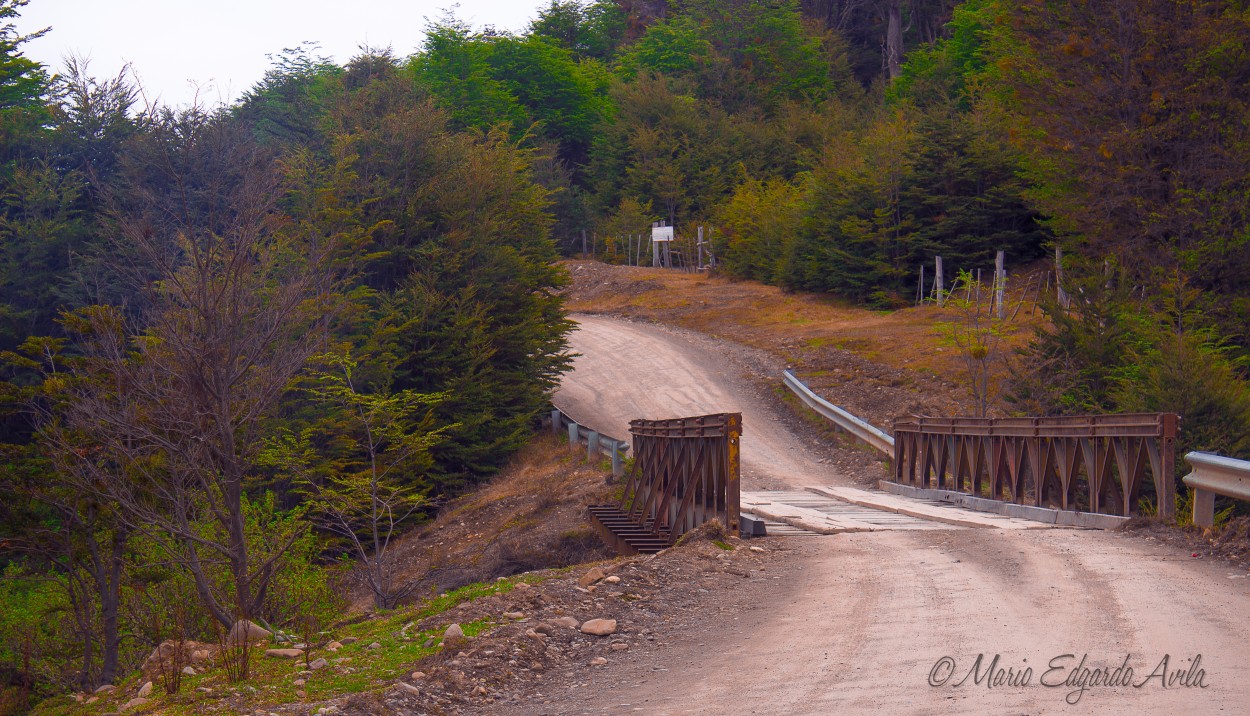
x: 239, y: 341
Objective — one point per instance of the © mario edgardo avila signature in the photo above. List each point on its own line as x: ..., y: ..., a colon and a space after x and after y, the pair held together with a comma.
x: 1076, y: 674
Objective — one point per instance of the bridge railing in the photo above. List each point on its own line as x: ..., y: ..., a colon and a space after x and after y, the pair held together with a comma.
x: 1215, y: 475
x: 1086, y: 463
x: 686, y: 472
x: 596, y: 443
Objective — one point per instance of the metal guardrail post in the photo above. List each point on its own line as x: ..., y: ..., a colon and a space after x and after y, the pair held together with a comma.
x: 618, y: 466
x: 1204, y: 508
x: 1215, y: 475
x: 596, y: 442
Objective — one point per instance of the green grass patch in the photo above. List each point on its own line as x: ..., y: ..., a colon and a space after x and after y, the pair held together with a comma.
x: 723, y: 545
x: 353, y: 669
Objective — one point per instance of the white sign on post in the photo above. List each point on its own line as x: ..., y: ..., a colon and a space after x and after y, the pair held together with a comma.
x: 661, y: 233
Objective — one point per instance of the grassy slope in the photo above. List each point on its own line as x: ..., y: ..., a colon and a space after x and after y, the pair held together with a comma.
x: 532, y: 516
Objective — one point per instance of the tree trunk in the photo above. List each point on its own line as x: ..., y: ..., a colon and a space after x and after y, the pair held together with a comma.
x: 110, y: 602
x: 894, y: 38
x: 88, y: 656
x: 204, y: 589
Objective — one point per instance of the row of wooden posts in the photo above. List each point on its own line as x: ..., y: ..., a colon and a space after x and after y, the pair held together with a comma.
x: 640, y: 249
x: 1036, y: 285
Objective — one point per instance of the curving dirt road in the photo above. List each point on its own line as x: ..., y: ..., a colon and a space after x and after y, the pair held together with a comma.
x: 631, y: 370
x: 893, y: 622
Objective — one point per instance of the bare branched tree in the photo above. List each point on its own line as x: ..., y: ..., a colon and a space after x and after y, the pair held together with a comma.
x: 174, y: 391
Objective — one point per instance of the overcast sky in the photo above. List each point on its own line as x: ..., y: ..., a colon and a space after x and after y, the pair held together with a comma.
x: 220, y: 46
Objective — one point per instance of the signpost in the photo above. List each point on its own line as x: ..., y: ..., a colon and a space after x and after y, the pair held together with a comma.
x: 661, y: 235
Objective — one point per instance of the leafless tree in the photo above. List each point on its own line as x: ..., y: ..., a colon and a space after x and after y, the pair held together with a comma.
x: 174, y: 391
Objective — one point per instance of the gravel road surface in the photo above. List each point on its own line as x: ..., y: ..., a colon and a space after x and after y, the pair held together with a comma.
x: 630, y: 370
x: 893, y: 622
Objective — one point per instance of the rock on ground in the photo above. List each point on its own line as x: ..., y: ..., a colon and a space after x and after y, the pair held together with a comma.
x: 245, y: 631
x: 454, y: 636
x: 599, y: 627
x: 594, y: 575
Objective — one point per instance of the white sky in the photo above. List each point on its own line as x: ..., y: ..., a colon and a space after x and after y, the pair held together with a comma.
x: 220, y: 46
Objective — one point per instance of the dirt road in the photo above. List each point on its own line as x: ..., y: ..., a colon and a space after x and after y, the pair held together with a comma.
x: 632, y: 370
x: 893, y: 622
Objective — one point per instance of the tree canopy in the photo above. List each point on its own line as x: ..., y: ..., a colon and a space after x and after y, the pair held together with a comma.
x: 223, y: 327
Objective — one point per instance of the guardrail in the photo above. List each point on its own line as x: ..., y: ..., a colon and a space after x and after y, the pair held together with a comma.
x: 1215, y: 475
x: 1086, y: 463
x: 595, y: 442
x: 842, y: 420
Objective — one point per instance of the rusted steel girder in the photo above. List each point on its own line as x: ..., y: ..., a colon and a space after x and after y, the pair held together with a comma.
x: 687, y: 471
x: 1090, y: 463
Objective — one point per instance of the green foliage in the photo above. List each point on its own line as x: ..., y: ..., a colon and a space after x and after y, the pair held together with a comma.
x: 951, y: 70
x: 1072, y: 364
x: 454, y: 65
x: 440, y: 180
x: 740, y: 54
x: 977, y: 334
x: 763, y: 52
x: 24, y: 83
x: 674, y: 46
x: 758, y: 226
x: 630, y: 217
x: 966, y: 194
x: 591, y: 30
x: 306, y: 588
x: 1183, y: 367
x: 1193, y: 376
x: 561, y: 95
x: 35, y: 640
x: 462, y: 265
x: 1111, y: 351
x: 496, y: 376
x: 1146, y: 157
x: 41, y: 227
x: 160, y: 587
x: 859, y: 236
x: 358, y: 464
x: 489, y: 80
x: 321, y: 173
x: 287, y: 105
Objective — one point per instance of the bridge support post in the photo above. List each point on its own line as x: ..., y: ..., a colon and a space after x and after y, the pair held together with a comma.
x: 572, y: 436
x: 592, y: 445
x: 733, y: 470
x: 555, y: 421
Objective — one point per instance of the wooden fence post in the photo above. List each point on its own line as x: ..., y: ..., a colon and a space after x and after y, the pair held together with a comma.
x: 1000, y: 283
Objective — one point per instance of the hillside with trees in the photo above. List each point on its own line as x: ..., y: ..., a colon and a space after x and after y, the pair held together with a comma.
x: 242, y: 341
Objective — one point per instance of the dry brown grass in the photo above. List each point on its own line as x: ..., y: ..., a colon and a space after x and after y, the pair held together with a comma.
x: 530, y: 516
x: 775, y: 320
x: 877, y: 364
